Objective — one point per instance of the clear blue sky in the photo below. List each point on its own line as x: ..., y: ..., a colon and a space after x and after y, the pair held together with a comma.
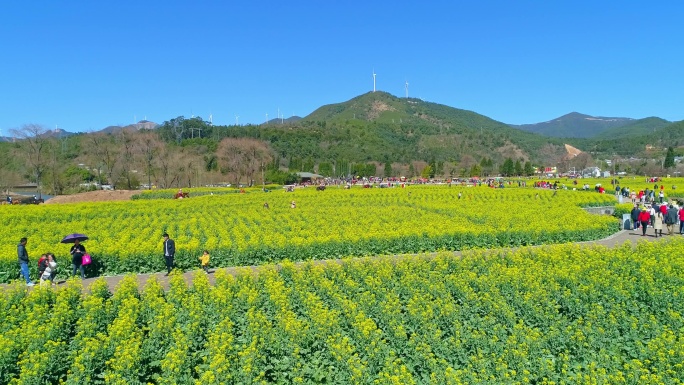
x: 84, y: 65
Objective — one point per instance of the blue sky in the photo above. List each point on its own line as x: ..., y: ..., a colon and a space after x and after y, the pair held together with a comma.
x: 84, y: 65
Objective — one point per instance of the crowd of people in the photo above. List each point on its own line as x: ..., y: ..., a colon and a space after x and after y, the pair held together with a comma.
x: 656, y: 215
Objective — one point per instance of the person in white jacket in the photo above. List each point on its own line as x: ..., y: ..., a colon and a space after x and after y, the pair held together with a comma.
x: 50, y: 270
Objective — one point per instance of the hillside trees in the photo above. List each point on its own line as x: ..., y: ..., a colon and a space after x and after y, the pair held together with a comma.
x: 101, y: 151
x: 124, y: 172
x: 243, y: 157
x: 147, y: 147
x: 33, y: 148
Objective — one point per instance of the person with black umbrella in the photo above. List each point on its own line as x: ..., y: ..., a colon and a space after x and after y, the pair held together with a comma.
x: 169, y: 252
x: 77, y: 251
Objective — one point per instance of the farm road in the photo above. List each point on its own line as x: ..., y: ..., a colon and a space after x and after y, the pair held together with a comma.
x: 614, y: 240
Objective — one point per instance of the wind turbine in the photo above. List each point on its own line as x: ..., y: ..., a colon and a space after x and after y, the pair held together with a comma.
x: 211, y: 119
x: 266, y: 122
x: 237, y: 121
x: 406, y: 87
x: 373, y: 79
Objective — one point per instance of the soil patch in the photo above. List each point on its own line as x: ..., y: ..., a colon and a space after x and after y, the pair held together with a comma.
x: 94, y: 196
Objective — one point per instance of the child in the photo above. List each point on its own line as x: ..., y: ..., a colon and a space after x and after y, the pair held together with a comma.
x: 50, y: 270
x: 204, y: 259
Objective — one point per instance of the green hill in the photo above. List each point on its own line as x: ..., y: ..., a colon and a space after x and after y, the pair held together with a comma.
x: 633, y: 142
x: 425, y: 130
x: 639, y: 127
x: 575, y: 125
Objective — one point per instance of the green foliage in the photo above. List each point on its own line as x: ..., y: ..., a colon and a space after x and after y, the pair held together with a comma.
x: 507, y: 168
x: 640, y: 127
x: 519, y: 168
x: 669, y: 159
x: 364, y: 170
x: 388, y: 170
x: 426, y: 172
x: 280, y: 177
x: 79, y: 173
x: 528, y: 169
x: 325, y: 169
x: 308, y: 165
x: 555, y: 315
x: 432, y: 170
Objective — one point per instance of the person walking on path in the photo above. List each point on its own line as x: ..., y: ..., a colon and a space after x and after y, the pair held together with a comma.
x: 77, y: 251
x: 644, y: 218
x: 204, y: 260
x: 651, y: 212
x: 681, y: 221
x: 671, y: 218
x: 635, y: 217
x: 169, y: 252
x: 658, y: 223
x: 23, y: 258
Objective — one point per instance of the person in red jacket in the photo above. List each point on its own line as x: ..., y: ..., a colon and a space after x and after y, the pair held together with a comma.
x: 644, y: 218
x: 681, y: 221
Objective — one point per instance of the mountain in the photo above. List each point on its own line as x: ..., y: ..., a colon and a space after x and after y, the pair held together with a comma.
x: 378, y: 126
x: 57, y: 133
x: 291, y: 119
x: 143, y: 124
x: 637, y: 140
x: 575, y: 125
x: 635, y: 128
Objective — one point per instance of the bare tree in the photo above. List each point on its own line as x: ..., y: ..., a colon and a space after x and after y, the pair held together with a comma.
x: 243, y: 156
x: 467, y: 162
x: 55, y: 167
x: 124, y: 164
x: 33, y: 146
x: 147, y: 147
x: 551, y: 154
x: 103, y: 151
x: 166, y: 161
x: 8, y: 178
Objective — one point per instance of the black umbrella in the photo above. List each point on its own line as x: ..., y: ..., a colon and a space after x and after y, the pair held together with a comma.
x: 71, y: 238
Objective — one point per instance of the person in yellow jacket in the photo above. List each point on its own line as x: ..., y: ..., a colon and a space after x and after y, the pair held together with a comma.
x: 204, y: 260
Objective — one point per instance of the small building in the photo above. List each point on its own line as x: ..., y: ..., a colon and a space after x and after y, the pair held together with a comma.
x: 308, y: 176
x: 591, y: 172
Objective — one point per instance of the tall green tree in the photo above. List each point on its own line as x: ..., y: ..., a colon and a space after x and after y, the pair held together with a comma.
x: 669, y: 158
x: 426, y: 172
x: 388, y: 169
x: 507, y: 168
x: 325, y: 169
x: 528, y: 169
x: 518, y: 168
x: 433, y: 168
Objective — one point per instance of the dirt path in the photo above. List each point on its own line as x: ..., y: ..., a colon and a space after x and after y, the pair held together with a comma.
x: 94, y: 196
x: 614, y: 240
